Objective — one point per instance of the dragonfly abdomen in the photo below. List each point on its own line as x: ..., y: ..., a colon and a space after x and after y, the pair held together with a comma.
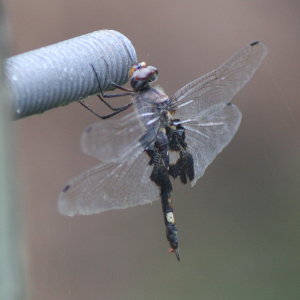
x: 159, y: 159
x: 171, y: 229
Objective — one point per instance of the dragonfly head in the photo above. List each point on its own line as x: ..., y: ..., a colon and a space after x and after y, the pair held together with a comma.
x: 142, y: 75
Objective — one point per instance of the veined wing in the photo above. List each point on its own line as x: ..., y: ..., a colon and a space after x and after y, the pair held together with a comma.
x: 204, y: 105
x: 110, y: 186
x: 114, y: 139
x: 119, y: 144
x: 200, y: 96
x: 207, y: 136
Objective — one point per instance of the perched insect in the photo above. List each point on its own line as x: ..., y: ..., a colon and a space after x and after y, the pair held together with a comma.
x: 163, y: 137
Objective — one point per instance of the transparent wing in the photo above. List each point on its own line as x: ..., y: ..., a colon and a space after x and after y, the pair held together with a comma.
x: 204, y: 109
x: 110, y: 186
x: 114, y: 139
x: 219, y: 86
x: 207, y: 136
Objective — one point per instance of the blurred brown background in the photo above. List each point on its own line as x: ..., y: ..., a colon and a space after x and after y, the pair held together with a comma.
x: 239, y: 227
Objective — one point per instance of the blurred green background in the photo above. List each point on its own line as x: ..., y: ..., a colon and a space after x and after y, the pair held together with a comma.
x: 239, y: 228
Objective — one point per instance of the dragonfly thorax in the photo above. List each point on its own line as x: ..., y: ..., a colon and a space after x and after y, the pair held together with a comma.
x: 166, y: 118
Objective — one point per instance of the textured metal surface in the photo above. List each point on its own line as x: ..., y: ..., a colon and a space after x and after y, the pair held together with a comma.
x: 61, y: 73
x: 12, y: 257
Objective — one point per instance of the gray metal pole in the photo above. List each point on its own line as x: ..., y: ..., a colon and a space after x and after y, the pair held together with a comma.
x: 61, y: 73
x: 11, y: 239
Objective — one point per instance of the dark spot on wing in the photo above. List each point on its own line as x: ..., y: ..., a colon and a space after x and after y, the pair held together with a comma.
x: 65, y: 189
x: 229, y: 103
x: 254, y: 43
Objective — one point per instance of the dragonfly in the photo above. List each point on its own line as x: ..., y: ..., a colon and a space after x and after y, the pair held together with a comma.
x: 161, y: 139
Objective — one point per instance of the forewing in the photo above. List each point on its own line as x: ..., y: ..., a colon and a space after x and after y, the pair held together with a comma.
x: 220, y: 85
x: 109, y: 186
x: 114, y: 139
x: 207, y: 136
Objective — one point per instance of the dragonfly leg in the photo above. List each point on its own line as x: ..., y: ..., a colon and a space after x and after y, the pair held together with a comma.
x: 115, y: 85
x: 114, y: 108
x: 101, y: 96
x: 105, y: 116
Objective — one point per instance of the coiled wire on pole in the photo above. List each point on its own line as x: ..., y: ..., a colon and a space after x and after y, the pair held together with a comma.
x: 61, y: 73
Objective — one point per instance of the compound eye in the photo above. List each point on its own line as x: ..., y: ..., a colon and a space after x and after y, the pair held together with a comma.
x: 154, y: 73
x: 153, y: 69
x: 153, y: 77
x: 143, y: 74
x: 132, y: 70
